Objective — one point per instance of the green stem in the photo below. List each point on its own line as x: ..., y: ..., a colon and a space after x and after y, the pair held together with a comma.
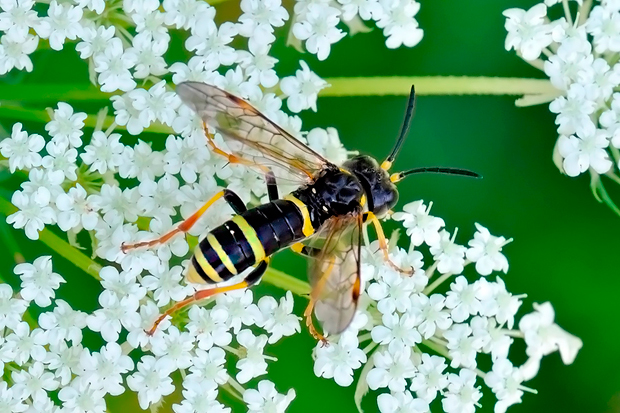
x: 286, y: 282
x: 51, y: 92
x: 59, y: 245
x: 36, y: 115
x: 436, y: 85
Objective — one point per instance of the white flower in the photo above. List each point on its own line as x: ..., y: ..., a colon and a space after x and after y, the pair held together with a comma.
x: 302, y: 89
x: 401, y: 402
x: 81, y: 396
x: 9, y: 400
x: 17, y: 18
x: 327, y: 142
x: 38, y: 280
x: 392, y: 367
x: 572, y: 61
x: 430, y: 310
x: 462, y: 299
x: 113, y: 67
x: 258, y: 20
x: 338, y: 360
x: 277, y: 320
x: 496, y: 301
x: 148, y: 55
x: 75, y: 210
x: 604, y: 25
x: 63, y: 324
x: 14, y: 53
x: 266, y: 399
x: 166, y: 284
x: 113, y: 313
x: 253, y: 364
x: 61, y: 158
x: 450, y: 257
x: 199, y: 397
x: 491, y: 336
x: 185, y: 14
x: 366, y: 9
x: 584, y: 152
x: 543, y: 336
x: 63, y: 22
x: 318, y: 29
x: 421, y: 227
x: 64, y: 361
x: 258, y: 65
x: 238, y: 306
x: 34, y: 212
x: 111, y: 201
x: 66, y: 126
x: 505, y: 381
x: 35, y: 382
x: 138, y: 335
x: 103, y: 153
x: 574, y: 110
x: 185, y: 155
x: 399, y: 24
x: 209, y: 327
x: 159, y: 197
x: 462, y: 395
x: 485, y: 250
x: 21, y: 149
x: 105, y: 369
x: 527, y: 32
x: 141, y: 162
x: 11, y: 309
x: 151, y: 381
x: 208, y: 366
x: 157, y: 105
x: 397, y: 329
x: 462, y: 346
x: 175, y: 347
x: 94, y: 40
x: 24, y: 344
x: 429, y: 378
x: 392, y: 291
x: 212, y: 42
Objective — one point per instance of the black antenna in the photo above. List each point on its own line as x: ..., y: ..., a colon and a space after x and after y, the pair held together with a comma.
x: 437, y: 170
x: 387, y: 164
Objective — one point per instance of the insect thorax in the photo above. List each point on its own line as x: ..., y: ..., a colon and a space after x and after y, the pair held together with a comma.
x: 333, y: 193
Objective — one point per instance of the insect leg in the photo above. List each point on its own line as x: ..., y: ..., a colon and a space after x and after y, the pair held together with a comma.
x: 232, y: 158
x: 314, y: 296
x: 233, y: 200
x: 272, y: 187
x: 250, y: 280
x: 304, y: 250
x: 369, y: 216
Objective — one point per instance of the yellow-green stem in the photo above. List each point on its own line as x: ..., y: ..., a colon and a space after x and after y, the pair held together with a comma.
x: 436, y: 85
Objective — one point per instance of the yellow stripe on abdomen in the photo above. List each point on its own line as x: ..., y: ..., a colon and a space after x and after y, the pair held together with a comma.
x: 217, y: 247
x: 205, y: 266
x: 307, y: 228
x: 251, y: 237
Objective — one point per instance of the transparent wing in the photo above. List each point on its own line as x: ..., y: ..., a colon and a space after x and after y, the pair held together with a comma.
x: 334, y: 272
x: 249, y: 134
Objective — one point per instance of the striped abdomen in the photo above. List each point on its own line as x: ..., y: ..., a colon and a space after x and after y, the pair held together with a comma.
x: 246, y: 240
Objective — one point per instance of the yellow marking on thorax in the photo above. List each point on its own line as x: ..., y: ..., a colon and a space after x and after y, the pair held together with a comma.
x: 251, y: 237
x: 217, y: 247
x: 206, y: 267
x: 307, y: 228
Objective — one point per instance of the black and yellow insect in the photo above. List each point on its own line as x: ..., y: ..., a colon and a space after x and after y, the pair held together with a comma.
x: 327, y: 212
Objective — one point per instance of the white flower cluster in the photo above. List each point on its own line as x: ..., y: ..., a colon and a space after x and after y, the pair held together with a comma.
x: 578, y: 53
x: 404, y: 317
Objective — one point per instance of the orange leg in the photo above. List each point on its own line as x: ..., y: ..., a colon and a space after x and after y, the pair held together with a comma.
x: 314, y: 297
x: 230, y: 157
x: 250, y: 280
x: 383, y: 242
x: 183, y: 227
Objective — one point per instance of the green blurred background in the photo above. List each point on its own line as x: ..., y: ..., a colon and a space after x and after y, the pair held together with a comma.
x: 565, y: 247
